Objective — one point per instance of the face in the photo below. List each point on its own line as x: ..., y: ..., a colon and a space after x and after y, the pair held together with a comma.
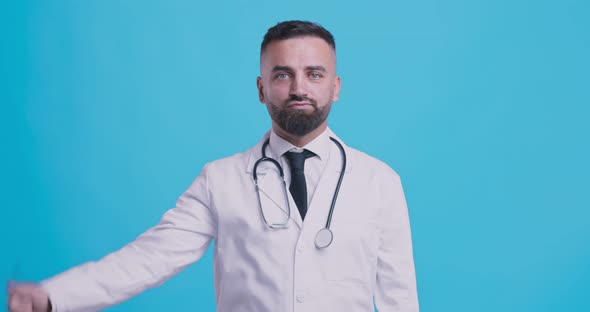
x: 298, y: 83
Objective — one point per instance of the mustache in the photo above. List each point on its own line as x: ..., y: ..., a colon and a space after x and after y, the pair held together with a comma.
x: 299, y: 98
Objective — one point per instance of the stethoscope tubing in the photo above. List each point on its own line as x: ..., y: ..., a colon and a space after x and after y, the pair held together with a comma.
x: 335, y: 197
x: 276, y: 163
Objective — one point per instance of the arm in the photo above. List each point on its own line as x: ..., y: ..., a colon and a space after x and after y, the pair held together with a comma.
x: 396, y: 278
x: 181, y: 238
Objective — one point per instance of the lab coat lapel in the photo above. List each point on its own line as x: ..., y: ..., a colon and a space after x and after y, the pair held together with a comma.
x: 272, y: 192
x: 271, y: 187
x: 319, y: 207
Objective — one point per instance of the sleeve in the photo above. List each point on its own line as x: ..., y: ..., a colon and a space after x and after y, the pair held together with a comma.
x: 396, y: 279
x: 181, y: 238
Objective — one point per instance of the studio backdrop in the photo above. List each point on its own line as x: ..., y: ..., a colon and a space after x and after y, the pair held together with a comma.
x: 109, y: 110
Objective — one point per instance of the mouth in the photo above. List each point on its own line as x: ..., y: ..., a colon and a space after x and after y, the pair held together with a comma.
x: 299, y: 105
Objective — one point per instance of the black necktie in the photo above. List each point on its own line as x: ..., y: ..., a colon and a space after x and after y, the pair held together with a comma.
x: 298, y: 187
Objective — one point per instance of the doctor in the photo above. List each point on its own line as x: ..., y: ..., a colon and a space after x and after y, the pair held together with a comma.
x: 334, y: 237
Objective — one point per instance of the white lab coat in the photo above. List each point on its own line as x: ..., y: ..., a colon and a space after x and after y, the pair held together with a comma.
x: 258, y: 269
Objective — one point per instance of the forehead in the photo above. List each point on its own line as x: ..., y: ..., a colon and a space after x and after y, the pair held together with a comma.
x: 298, y: 52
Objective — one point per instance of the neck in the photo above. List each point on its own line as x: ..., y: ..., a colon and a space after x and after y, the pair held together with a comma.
x: 299, y: 141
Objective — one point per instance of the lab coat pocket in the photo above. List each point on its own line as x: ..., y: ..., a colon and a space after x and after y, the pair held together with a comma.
x: 349, y: 296
x: 353, y: 254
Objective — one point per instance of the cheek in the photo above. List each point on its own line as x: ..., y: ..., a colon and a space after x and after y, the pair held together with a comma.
x: 277, y: 91
x: 325, y: 93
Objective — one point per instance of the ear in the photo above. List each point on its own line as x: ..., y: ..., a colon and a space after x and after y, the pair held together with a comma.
x: 260, y: 92
x: 337, y: 86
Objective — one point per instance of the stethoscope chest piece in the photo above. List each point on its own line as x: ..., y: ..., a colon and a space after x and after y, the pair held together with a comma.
x: 324, y: 238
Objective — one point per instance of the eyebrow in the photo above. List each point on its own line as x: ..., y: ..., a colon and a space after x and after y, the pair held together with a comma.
x: 318, y: 67
x: 288, y: 68
x: 282, y: 68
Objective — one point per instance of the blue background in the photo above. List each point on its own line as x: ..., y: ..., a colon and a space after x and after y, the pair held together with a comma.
x: 109, y: 109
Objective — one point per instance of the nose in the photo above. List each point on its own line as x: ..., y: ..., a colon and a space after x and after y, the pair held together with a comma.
x: 298, y: 87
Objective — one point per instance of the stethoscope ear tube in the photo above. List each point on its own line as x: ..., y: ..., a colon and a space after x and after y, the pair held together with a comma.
x: 273, y: 226
x: 335, y: 197
x: 263, y: 159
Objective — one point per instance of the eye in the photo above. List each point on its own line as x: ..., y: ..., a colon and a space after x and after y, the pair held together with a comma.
x: 315, y: 75
x: 282, y: 76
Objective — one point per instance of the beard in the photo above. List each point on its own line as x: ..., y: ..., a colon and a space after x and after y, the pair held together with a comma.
x: 299, y: 122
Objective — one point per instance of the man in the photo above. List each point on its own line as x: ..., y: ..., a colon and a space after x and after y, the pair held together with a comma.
x: 269, y: 257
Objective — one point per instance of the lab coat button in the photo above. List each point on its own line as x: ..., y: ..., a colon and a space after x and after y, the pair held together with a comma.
x: 301, y: 298
x: 301, y: 248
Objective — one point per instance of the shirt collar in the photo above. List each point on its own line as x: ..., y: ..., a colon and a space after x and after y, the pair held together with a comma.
x: 319, y: 146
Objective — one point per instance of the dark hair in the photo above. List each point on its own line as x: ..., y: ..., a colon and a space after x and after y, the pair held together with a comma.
x: 292, y: 29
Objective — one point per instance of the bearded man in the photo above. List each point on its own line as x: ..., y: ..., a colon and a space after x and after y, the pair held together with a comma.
x: 301, y: 222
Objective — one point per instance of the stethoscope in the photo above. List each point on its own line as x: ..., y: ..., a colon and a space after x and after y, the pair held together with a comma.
x: 324, y: 236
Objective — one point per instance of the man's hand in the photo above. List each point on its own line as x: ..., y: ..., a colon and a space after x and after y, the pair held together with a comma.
x: 27, y: 297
